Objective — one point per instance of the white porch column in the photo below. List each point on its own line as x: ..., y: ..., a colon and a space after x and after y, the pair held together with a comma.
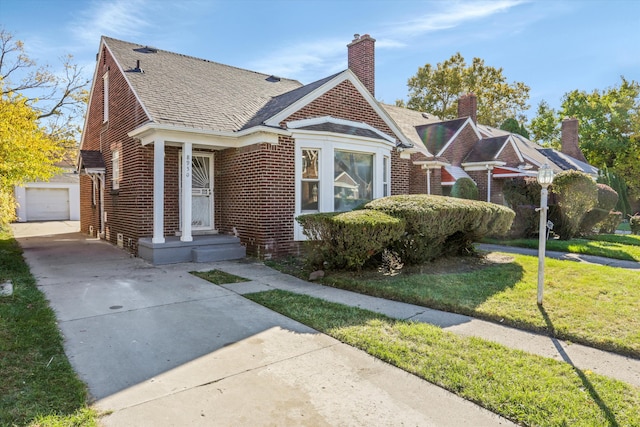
x: 489, y: 183
x: 429, y: 181
x: 186, y: 192
x: 158, y: 191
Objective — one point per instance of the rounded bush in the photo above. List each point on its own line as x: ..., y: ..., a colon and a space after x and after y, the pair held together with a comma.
x: 348, y: 239
x: 575, y: 193
x: 438, y: 225
x: 465, y: 188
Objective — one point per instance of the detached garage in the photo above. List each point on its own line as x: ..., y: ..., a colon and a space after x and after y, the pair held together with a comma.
x: 56, y: 200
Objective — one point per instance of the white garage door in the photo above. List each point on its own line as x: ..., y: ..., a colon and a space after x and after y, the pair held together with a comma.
x: 47, y: 204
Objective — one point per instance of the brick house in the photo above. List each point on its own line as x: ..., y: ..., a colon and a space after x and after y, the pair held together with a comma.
x: 184, y: 159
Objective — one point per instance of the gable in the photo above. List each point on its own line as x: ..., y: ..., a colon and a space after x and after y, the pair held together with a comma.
x: 343, y: 100
x: 436, y: 136
x: 460, y: 144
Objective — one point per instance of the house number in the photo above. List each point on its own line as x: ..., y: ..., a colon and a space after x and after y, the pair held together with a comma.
x: 187, y: 166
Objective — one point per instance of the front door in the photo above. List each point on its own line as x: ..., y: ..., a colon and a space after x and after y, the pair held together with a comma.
x: 202, y: 191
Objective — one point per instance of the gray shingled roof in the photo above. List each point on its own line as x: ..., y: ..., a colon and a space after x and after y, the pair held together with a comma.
x: 91, y: 159
x: 486, y: 149
x: 191, y: 92
x: 436, y: 135
x: 566, y: 162
x: 344, y: 129
x: 407, y: 120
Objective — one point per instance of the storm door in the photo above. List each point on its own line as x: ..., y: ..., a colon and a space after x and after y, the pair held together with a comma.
x: 201, y: 191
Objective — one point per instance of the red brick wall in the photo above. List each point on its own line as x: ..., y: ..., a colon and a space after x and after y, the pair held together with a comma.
x: 129, y: 209
x: 480, y: 178
x: 254, y: 192
x: 461, y: 146
x: 509, y: 156
x: 361, y: 60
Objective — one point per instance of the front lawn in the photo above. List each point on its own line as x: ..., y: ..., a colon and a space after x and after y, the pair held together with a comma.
x: 606, y: 245
x: 591, y: 304
x: 37, y: 384
x: 528, y: 389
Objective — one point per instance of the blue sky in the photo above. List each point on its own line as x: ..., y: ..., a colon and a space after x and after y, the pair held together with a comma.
x: 552, y: 46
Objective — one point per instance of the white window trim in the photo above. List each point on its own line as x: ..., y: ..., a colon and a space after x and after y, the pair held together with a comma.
x: 116, y: 173
x: 105, y: 101
x: 327, y: 144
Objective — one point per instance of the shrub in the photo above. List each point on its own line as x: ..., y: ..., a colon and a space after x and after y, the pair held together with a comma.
x: 437, y: 225
x: 7, y: 207
x: 634, y: 223
x: 465, y: 188
x: 607, y: 200
x: 610, y: 224
x: 574, y: 193
x: 523, y: 196
x: 348, y: 239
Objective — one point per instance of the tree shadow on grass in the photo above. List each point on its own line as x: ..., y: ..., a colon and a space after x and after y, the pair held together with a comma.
x: 585, y: 381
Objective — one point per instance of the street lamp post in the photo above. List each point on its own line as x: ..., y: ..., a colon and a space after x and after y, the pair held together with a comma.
x: 545, y: 178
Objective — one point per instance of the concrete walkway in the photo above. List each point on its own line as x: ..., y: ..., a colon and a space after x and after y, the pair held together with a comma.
x: 610, y: 364
x: 587, y: 259
x: 158, y: 346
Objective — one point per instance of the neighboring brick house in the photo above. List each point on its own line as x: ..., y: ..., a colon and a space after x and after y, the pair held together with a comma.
x: 445, y: 151
x: 184, y: 159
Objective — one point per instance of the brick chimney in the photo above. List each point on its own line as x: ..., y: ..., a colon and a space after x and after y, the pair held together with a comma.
x: 362, y: 60
x: 569, y: 139
x: 468, y: 106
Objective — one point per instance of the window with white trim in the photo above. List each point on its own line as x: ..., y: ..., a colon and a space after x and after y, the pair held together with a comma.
x: 386, y: 187
x: 338, y: 173
x: 352, y: 179
x: 115, y: 169
x: 310, y: 182
x: 105, y: 97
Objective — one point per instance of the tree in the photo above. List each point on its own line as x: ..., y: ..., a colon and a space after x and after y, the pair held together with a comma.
x: 27, y: 153
x: 437, y: 89
x: 58, y: 98
x: 609, y: 129
x: 39, y: 110
x: 512, y: 125
x: 545, y: 126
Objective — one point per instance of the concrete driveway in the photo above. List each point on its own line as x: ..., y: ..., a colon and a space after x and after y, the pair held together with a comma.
x: 161, y: 347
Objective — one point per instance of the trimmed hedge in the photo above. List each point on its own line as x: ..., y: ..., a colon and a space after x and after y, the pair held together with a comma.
x: 438, y: 225
x: 607, y: 200
x: 610, y: 224
x: 575, y: 193
x: 465, y: 188
x: 634, y: 223
x: 523, y: 196
x: 348, y: 239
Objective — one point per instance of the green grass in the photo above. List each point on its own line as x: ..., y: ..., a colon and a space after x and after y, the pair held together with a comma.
x: 626, y: 239
x: 528, y: 389
x: 36, y: 379
x: 590, y: 304
x: 609, y: 246
x: 219, y: 277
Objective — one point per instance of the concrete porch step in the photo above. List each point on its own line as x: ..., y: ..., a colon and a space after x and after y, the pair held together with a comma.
x: 206, y: 248
x: 219, y: 252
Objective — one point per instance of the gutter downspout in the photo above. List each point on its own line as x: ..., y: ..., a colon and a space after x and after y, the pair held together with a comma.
x: 489, y: 168
x: 101, y: 179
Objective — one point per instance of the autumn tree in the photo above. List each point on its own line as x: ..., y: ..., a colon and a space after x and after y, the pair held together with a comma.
x: 27, y: 153
x: 58, y: 98
x: 39, y: 115
x: 437, y: 89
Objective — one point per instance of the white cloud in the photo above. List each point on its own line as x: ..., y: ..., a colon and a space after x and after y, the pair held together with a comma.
x: 302, y: 60
x: 449, y: 15
x: 115, y: 18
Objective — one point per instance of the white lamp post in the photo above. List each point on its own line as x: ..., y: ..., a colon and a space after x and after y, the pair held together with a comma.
x: 545, y: 178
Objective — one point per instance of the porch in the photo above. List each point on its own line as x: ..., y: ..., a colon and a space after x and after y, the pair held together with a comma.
x: 203, y: 248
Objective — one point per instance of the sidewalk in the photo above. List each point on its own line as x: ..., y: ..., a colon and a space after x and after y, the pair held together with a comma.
x: 587, y: 259
x: 612, y: 365
x: 158, y: 346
